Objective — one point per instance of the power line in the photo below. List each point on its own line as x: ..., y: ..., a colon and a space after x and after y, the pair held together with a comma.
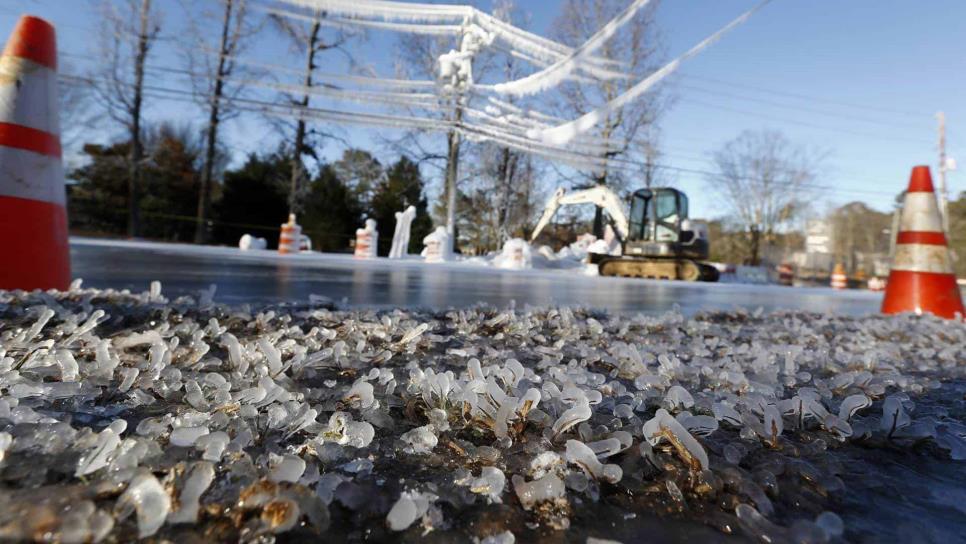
x: 803, y: 123
x: 810, y: 98
x: 837, y: 115
x: 296, y: 111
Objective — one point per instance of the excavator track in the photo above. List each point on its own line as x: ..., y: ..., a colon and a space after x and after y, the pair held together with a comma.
x: 668, y: 269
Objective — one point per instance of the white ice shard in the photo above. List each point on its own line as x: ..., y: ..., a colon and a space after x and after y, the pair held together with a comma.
x: 544, y: 463
x: 547, y: 488
x: 414, y: 333
x: 852, y: 404
x: 344, y: 431
x: 187, y: 436
x: 578, y: 413
x: 490, y: 483
x: 201, y: 475
x: 99, y: 456
x: 664, y: 427
x: 68, y: 365
x: 581, y: 455
x: 894, y: 416
x: 773, y: 423
x: 421, y: 439
x: 726, y: 413
x: 212, y: 445
x: 700, y: 425
x: 410, y: 506
x: 147, y: 496
x: 840, y: 428
x: 273, y: 357
x: 678, y: 398
x: 288, y: 469
x: 5, y: 440
x: 361, y: 393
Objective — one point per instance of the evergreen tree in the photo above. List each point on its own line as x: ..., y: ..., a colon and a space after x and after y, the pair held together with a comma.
x: 97, y: 199
x: 170, y: 179
x: 254, y: 199
x: 331, y: 213
x: 402, y: 187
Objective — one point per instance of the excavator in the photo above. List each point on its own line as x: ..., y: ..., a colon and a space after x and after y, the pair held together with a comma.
x: 657, y: 238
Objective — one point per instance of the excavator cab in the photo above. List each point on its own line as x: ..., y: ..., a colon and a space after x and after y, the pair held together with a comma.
x: 658, y: 226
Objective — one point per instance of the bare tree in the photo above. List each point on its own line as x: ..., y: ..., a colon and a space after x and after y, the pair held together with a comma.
x: 76, y: 102
x: 637, y: 50
x: 214, y: 85
x: 764, y: 180
x: 129, y: 33
x: 310, y: 40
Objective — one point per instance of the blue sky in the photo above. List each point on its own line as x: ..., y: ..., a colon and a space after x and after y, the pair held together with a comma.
x: 861, y: 80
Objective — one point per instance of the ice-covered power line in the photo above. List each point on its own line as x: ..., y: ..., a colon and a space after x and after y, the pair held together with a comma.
x: 559, y: 71
x: 565, y: 133
x: 542, y: 50
x: 577, y: 158
x: 412, y: 28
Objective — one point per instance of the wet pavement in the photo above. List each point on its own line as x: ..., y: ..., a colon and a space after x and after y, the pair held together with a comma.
x: 266, y: 277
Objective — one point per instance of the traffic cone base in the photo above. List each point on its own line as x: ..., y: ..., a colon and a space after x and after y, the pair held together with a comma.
x: 39, y: 236
x: 923, y: 292
x: 921, y: 279
x: 33, y: 215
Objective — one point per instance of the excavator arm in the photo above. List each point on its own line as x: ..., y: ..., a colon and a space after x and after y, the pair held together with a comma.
x: 600, y: 196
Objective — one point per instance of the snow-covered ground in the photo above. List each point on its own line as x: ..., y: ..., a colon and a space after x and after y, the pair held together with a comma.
x: 138, y: 415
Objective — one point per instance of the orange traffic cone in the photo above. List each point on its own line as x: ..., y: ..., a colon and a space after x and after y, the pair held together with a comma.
x: 33, y: 213
x: 839, y: 279
x: 922, y: 278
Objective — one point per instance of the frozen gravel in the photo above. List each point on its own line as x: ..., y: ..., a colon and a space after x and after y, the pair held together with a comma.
x: 126, y: 415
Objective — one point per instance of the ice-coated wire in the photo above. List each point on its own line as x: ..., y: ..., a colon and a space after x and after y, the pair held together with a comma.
x: 562, y: 134
x: 559, y: 72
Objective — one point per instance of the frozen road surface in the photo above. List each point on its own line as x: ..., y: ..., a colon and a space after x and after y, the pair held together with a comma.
x: 266, y: 277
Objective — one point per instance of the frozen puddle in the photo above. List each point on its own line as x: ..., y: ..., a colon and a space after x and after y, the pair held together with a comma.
x: 130, y: 415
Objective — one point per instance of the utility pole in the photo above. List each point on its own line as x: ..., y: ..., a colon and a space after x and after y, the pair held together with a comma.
x: 144, y: 38
x: 943, y: 198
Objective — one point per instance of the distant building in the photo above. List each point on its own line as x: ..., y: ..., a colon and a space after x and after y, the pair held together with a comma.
x: 818, y: 237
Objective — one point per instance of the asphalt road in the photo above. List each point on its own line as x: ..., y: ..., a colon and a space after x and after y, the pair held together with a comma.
x: 266, y: 277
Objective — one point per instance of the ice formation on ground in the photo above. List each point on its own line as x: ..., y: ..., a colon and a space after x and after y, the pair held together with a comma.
x: 437, y: 248
x: 126, y: 415
x: 515, y: 255
x: 247, y: 242
x: 400, y: 236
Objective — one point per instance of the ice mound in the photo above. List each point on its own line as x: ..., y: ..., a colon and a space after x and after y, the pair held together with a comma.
x: 248, y: 242
x: 516, y: 255
x: 126, y: 415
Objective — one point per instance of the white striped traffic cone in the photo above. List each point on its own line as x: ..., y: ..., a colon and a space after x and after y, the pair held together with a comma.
x: 366, y: 240
x: 921, y: 278
x: 839, y: 279
x: 33, y: 212
x: 290, y: 237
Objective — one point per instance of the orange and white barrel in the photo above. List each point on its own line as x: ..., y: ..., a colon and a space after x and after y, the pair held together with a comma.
x: 839, y: 279
x: 785, y: 274
x: 290, y: 237
x: 436, y: 246
x: 33, y: 212
x: 366, y: 240
x: 921, y: 278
